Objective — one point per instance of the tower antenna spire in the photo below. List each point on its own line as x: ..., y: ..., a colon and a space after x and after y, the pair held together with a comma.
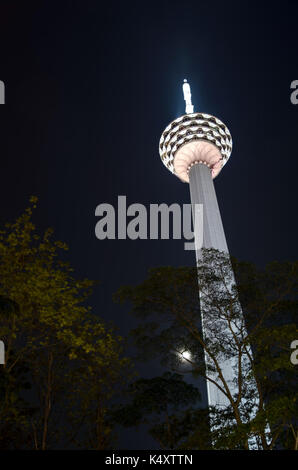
x: 187, y: 97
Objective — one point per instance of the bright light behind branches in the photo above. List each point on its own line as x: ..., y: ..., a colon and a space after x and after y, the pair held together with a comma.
x: 186, y: 355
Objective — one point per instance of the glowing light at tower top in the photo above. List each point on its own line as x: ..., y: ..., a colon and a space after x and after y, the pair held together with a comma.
x: 187, y: 97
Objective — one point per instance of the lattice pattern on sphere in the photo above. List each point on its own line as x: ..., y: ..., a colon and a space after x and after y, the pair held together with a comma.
x: 190, y: 127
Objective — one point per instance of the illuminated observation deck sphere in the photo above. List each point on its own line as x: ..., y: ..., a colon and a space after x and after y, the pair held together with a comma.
x: 195, y: 138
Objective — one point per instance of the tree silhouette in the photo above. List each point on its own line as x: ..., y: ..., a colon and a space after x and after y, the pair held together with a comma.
x: 167, y: 303
x: 62, y: 362
x: 166, y: 403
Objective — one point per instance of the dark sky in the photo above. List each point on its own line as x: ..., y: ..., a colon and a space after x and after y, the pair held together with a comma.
x: 91, y: 85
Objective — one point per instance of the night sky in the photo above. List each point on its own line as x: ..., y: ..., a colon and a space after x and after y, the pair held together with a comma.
x: 90, y: 86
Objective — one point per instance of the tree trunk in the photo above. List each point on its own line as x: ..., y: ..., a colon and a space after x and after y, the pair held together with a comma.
x: 47, y: 402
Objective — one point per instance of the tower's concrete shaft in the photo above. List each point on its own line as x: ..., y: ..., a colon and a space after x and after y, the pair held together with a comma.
x: 202, y: 192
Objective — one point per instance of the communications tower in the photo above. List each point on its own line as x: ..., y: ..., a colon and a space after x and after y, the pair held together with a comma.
x: 195, y: 147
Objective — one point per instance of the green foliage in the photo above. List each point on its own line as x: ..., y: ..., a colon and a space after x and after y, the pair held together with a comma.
x: 54, y: 344
x: 164, y: 401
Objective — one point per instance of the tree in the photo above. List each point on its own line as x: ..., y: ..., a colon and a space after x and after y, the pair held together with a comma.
x: 100, y: 374
x: 167, y: 304
x: 54, y: 343
x: 14, y: 410
x: 165, y: 401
